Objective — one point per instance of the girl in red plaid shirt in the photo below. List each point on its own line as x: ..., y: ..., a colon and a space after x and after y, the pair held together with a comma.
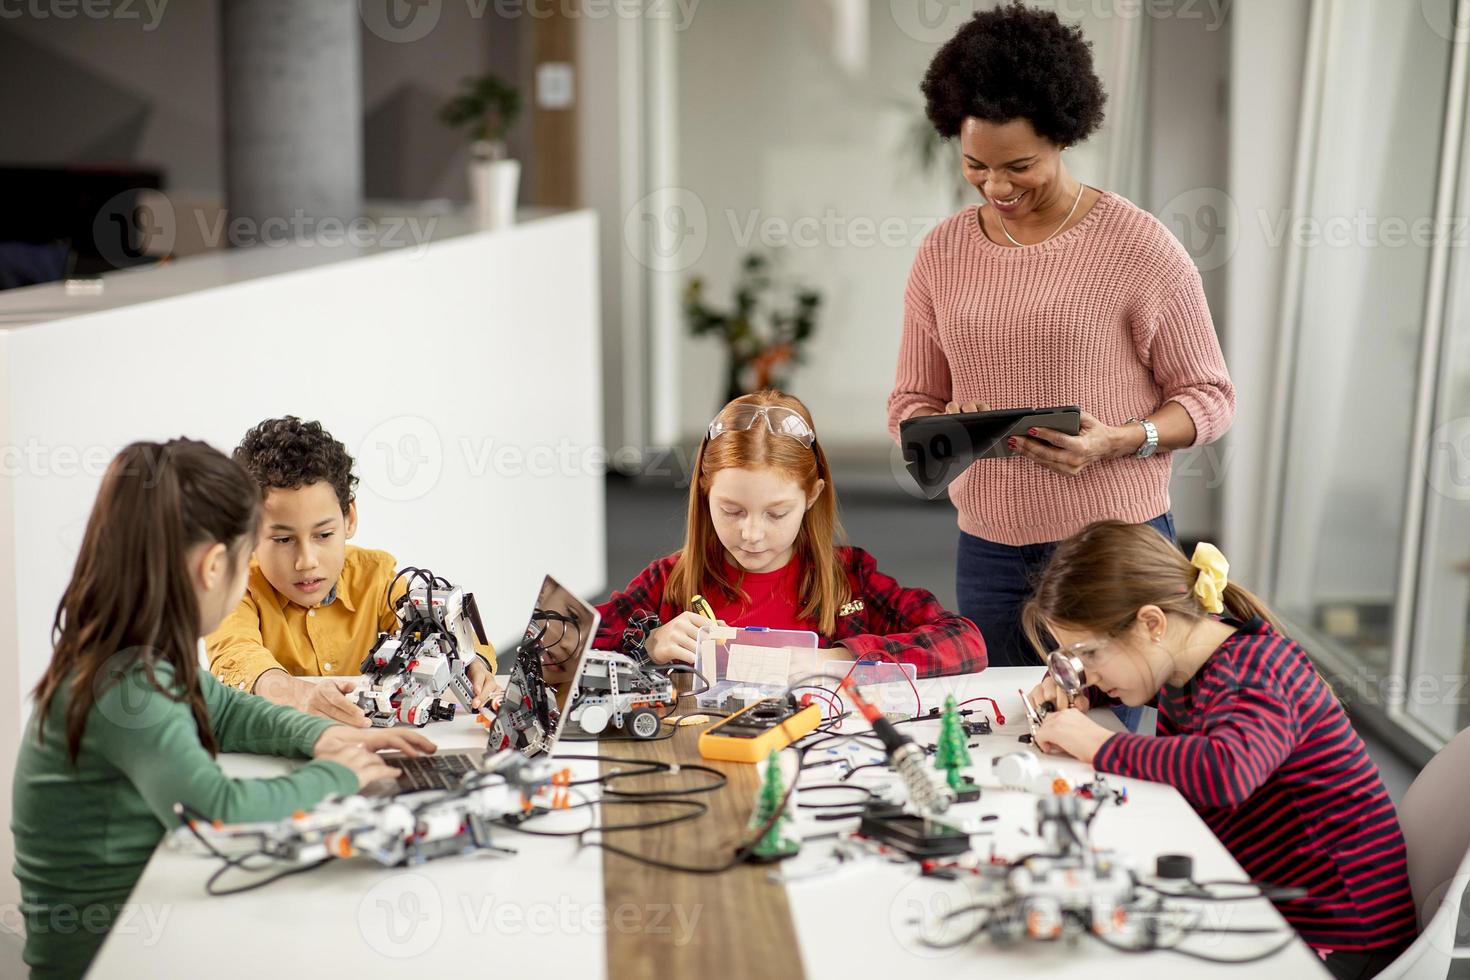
x: 761, y: 548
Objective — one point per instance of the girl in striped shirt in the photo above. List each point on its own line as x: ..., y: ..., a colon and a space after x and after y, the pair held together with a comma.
x: 1248, y: 732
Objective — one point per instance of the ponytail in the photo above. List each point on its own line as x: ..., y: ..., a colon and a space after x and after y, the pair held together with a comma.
x: 130, y: 601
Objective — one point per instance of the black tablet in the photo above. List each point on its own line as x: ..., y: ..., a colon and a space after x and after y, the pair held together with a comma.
x: 938, y: 448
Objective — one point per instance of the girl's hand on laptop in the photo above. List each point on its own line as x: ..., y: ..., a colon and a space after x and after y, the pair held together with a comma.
x: 482, y: 681
x: 339, y: 738
x: 366, y: 765
x: 676, y: 640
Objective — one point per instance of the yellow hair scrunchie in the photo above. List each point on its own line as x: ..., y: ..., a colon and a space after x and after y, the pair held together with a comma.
x: 1214, y: 573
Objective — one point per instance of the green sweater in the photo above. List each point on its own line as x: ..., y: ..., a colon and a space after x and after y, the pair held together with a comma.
x: 84, y: 833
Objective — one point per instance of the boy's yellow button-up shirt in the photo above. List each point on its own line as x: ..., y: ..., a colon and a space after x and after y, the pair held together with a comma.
x: 268, y: 630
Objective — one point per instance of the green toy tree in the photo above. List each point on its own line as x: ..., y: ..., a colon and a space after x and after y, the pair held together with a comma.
x: 774, y: 843
x: 953, y: 752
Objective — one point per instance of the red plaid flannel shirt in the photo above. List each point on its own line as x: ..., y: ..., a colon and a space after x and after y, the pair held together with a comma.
x: 883, y: 620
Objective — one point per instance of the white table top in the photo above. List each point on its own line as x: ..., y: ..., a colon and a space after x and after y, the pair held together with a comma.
x: 544, y: 906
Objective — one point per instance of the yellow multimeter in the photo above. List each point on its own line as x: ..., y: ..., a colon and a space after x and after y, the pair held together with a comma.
x: 750, y: 734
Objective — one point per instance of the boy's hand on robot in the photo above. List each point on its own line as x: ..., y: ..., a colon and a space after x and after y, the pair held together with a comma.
x: 332, y: 698
x: 482, y: 681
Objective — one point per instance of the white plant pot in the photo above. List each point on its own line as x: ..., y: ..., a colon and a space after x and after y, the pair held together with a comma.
x: 494, y: 186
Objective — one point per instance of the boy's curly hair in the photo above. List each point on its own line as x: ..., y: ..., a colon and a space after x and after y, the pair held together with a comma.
x: 288, y: 454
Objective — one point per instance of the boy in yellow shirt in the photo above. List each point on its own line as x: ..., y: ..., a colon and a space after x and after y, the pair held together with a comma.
x: 314, y: 604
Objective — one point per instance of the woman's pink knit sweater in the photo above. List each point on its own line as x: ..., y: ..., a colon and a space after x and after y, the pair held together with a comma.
x: 1109, y: 315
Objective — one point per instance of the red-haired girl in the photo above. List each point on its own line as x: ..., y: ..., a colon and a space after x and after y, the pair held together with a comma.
x: 761, y: 547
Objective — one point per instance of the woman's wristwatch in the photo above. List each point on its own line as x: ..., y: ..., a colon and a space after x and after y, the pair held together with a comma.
x: 1150, y: 438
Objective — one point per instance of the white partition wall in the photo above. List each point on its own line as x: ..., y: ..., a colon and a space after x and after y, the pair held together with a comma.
x: 464, y: 376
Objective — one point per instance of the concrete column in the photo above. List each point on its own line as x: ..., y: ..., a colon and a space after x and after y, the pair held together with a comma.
x: 292, y: 111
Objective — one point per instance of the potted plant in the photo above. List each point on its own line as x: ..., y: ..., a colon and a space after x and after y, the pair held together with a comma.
x: 763, y: 336
x: 486, y: 108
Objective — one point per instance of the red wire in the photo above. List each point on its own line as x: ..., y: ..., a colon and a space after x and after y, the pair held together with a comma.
x: 1000, y: 719
x: 918, y: 701
x: 825, y: 696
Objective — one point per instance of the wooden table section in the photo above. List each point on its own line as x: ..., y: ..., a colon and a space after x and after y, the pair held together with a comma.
x: 744, y: 926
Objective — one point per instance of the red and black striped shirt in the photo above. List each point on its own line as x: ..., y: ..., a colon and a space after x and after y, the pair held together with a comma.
x: 1261, y: 748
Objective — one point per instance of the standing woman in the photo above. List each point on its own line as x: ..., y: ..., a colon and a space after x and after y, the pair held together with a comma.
x: 1049, y: 292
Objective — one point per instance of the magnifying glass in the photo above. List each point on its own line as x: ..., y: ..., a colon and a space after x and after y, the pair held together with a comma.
x: 1065, y: 667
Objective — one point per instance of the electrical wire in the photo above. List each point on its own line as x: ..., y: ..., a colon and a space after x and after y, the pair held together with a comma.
x: 741, y: 854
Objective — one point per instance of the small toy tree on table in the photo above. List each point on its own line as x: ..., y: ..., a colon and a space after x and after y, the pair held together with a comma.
x: 952, y: 753
x: 774, y: 843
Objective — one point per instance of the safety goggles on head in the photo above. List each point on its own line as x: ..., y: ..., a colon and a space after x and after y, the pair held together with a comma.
x: 780, y: 421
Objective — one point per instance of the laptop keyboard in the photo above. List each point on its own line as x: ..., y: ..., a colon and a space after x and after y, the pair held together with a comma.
x: 425, y: 772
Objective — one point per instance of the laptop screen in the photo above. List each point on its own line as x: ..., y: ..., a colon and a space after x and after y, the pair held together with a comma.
x: 548, y: 663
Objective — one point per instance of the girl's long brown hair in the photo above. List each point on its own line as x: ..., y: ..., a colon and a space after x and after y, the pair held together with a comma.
x: 130, y: 595
x: 1098, y: 579
x: 701, y: 564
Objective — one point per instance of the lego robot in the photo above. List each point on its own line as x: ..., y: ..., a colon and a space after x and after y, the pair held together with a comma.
x: 408, y: 672
x: 617, y: 690
x: 392, y: 831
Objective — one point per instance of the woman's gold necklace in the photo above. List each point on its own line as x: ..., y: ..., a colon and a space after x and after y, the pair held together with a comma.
x: 1080, y: 188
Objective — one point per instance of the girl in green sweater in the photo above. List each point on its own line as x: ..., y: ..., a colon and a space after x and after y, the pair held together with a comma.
x: 126, y: 724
